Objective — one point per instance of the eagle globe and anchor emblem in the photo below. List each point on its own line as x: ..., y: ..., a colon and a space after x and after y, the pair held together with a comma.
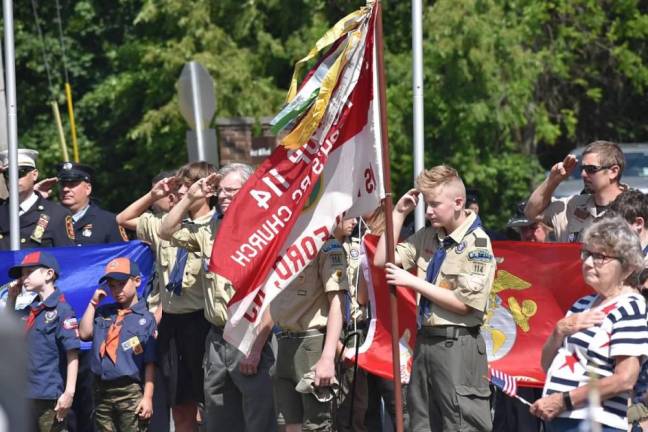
x: 502, y: 321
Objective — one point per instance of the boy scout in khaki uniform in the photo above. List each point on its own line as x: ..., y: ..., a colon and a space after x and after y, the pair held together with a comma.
x: 601, y: 169
x: 237, y: 389
x: 448, y: 389
x: 308, y: 313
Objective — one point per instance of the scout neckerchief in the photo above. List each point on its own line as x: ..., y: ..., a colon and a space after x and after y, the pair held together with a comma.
x: 435, y: 265
x: 110, y: 344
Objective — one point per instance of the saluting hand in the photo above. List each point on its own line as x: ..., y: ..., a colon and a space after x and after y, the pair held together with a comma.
x: 165, y: 187
x: 99, y: 295
x: 205, y: 187
x: 44, y: 187
x: 562, y: 170
x: 144, y: 408
x: 407, y: 202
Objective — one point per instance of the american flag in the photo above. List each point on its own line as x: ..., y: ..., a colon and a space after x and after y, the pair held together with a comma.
x: 504, y: 382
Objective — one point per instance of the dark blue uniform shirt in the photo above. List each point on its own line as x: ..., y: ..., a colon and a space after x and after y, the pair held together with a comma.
x: 54, y: 332
x: 136, y: 342
x: 98, y: 226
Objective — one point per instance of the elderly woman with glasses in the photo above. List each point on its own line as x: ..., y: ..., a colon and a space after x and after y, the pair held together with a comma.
x: 603, y: 335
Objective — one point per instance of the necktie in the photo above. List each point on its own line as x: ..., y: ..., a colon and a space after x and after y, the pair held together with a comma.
x: 34, y: 311
x: 175, y: 278
x: 435, y: 266
x: 110, y: 344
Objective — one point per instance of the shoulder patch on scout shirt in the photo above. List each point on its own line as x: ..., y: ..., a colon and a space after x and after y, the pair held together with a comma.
x: 481, y: 242
x: 480, y: 255
x: 69, y: 227
x: 331, y: 246
x: 70, y: 323
x: 41, y: 225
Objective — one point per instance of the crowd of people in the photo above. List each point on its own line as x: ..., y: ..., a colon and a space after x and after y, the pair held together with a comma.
x: 165, y: 352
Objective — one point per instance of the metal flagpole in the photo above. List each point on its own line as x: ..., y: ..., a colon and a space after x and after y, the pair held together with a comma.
x: 389, y: 204
x: 417, y: 95
x: 12, y: 123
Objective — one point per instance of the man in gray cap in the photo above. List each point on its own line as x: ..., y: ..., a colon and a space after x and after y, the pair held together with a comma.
x: 42, y: 223
x: 92, y: 224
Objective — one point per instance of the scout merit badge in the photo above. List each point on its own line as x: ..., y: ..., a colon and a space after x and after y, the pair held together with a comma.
x: 87, y: 230
x: 134, y: 344
x: 41, y: 225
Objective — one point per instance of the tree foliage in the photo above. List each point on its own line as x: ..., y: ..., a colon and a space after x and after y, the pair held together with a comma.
x: 510, y: 86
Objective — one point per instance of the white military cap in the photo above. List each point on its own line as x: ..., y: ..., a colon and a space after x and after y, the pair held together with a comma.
x: 26, y: 157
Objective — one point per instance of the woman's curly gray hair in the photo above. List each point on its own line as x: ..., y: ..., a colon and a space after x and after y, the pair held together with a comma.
x: 616, y: 238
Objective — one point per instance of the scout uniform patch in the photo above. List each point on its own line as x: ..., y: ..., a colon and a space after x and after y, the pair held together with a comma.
x: 41, y: 225
x: 50, y: 315
x: 460, y: 247
x: 87, y: 230
x: 134, y: 344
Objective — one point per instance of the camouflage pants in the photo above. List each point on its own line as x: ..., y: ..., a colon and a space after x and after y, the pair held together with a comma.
x: 115, y: 404
x: 45, y: 416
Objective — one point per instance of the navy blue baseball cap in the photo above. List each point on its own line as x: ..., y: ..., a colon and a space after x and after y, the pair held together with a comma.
x: 35, y: 259
x: 70, y: 172
x: 120, y: 269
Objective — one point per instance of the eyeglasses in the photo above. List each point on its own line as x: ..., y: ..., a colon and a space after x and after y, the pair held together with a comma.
x: 598, y: 258
x: 228, y: 190
x: 593, y: 169
x: 22, y: 172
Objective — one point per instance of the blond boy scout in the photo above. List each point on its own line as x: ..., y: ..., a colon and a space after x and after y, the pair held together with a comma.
x: 309, y: 315
x: 237, y: 389
x: 601, y: 169
x: 448, y: 388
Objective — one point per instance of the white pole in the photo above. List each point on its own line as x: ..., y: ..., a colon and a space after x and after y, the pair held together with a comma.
x: 417, y: 92
x: 12, y: 123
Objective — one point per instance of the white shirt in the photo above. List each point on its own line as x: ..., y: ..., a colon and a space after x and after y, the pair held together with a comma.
x: 27, y: 204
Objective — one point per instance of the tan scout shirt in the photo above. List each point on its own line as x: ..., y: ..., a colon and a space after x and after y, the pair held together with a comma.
x: 147, y: 230
x: 215, y: 291
x: 571, y: 216
x: 352, y: 252
x: 304, y: 304
x: 468, y: 269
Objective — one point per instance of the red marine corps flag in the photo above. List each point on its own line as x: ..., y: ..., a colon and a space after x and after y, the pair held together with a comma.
x: 328, y: 166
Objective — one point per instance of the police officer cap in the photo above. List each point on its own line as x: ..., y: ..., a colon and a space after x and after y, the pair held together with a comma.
x: 70, y: 172
x: 35, y: 259
x: 26, y: 158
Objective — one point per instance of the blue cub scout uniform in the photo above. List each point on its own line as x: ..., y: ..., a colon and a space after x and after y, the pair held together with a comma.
x: 136, y: 342
x: 54, y: 332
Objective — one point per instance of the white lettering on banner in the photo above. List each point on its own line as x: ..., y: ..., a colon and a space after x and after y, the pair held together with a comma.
x: 296, y: 258
x: 262, y: 236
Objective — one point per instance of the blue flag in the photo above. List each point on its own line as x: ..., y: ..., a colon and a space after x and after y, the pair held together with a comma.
x: 82, y: 266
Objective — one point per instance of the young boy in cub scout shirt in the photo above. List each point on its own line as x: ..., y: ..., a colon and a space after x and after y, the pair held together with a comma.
x: 238, y: 389
x: 123, y: 348
x: 448, y: 389
x: 309, y: 315
x: 601, y: 169
x: 53, y: 341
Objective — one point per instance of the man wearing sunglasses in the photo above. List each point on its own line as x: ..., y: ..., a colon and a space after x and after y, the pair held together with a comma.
x: 601, y: 169
x: 42, y: 223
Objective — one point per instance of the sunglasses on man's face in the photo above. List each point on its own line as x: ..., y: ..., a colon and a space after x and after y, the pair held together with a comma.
x: 22, y: 172
x: 593, y: 169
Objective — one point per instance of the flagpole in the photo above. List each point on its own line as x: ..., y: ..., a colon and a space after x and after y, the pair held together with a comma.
x: 389, y: 204
x: 417, y: 102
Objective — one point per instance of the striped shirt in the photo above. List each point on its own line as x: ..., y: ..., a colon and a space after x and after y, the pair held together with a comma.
x: 623, y: 332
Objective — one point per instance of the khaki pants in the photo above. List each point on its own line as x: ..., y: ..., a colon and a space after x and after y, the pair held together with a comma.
x: 448, y: 389
x: 115, y: 404
x: 45, y: 416
x: 295, y: 357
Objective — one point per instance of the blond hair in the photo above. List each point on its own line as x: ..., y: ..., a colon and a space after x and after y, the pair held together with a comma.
x: 440, y: 175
